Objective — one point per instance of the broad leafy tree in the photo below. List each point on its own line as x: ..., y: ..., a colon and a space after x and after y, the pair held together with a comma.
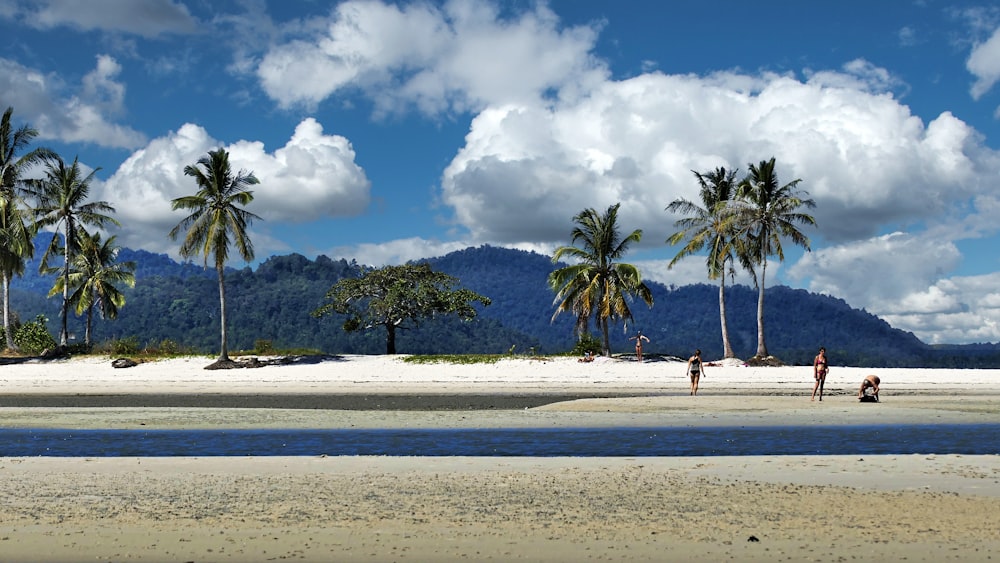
x: 95, y: 277
x: 61, y: 203
x: 394, y: 297
x: 709, y: 227
x: 16, y: 228
x: 217, y: 221
x: 596, y: 282
x: 765, y: 212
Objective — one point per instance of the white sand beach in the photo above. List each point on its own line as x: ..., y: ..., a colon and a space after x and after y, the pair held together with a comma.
x: 800, y: 508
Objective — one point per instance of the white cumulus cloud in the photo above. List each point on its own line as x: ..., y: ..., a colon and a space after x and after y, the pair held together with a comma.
x: 312, y: 176
x: 458, y: 56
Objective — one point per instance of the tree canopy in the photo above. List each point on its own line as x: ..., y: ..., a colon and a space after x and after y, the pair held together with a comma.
x: 393, y: 296
x: 598, y: 283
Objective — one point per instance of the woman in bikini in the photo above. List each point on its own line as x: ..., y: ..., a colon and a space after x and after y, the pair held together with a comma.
x: 820, y: 369
x: 639, y: 337
x: 695, y: 369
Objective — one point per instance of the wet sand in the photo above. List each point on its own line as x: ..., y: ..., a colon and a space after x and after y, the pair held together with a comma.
x: 800, y: 508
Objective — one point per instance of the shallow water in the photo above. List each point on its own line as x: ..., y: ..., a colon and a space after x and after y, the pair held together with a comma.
x: 975, y: 439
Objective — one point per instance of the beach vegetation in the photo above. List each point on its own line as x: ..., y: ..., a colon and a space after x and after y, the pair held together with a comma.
x: 587, y: 343
x: 61, y: 202
x: 765, y: 212
x: 393, y: 298
x: 17, y: 230
x: 709, y: 226
x: 94, y: 279
x: 460, y: 359
x: 597, y: 283
x: 33, y: 337
x: 217, y: 221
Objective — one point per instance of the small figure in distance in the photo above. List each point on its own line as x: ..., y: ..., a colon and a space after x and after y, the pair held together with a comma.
x: 639, y: 337
x: 868, y: 393
x: 588, y: 356
x: 695, y: 370
x: 820, y: 369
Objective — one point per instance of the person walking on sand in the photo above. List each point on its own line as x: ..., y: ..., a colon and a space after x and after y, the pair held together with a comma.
x: 871, y: 382
x: 820, y: 369
x: 695, y: 370
x: 639, y: 337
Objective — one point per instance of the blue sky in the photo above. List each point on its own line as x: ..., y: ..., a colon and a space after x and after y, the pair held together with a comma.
x: 389, y: 131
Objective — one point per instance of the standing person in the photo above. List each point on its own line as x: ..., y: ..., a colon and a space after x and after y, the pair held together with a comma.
x: 639, y: 337
x: 695, y: 370
x: 820, y: 369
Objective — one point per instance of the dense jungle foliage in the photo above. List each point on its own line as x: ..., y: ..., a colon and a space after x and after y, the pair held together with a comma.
x: 175, y: 305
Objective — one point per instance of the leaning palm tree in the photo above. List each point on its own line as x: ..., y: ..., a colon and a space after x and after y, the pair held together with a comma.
x: 95, y: 278
x: 217, y: 221
x: 764, y: 213
x: 597, y: 283
x: 16, y: 230
x: 709, y: 225
x: 61, y: 202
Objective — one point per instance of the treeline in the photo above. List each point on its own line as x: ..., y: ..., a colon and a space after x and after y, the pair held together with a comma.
x: 177, y: 303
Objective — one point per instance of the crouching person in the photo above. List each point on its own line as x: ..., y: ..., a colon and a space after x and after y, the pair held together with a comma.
x: 868, y: 393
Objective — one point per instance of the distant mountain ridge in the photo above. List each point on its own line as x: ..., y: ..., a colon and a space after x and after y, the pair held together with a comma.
x: 178, y: 302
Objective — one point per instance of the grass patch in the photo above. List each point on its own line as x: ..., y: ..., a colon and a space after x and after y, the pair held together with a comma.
x: 463, y: 359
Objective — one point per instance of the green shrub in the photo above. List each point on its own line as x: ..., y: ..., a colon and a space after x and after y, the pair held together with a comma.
x: 169, y: 347
x: 126, y: 346
x: 587, y: 343
x: 263, y: 347
x: 34, y: 337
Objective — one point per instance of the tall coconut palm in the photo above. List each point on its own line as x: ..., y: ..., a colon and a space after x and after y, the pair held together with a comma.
x: 16, y: 232
x: 217, y: 221
x: 596, y: 283
x: 764, y: 213
x: 95, y: 278
x: 61, y: 202
x: 709, y: 225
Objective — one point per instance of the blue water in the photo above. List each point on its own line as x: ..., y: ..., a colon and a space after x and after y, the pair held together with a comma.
x: 581, y: 442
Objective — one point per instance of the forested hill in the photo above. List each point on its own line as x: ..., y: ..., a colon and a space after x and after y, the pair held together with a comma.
x: 178, y: 302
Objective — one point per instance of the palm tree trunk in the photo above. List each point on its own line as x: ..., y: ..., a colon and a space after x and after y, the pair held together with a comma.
x: 90, y: 317
x: 64, y: 313
x: 6, y: 313
x: 726, y: 346
x: 607, y: 341
x: 224, y: 347
x: 761, y: 347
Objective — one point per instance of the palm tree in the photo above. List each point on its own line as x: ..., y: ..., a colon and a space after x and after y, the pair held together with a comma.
x: 709, y: 225
x: 217, y: 221
x: 764, y: 213
x: 94, y: 279
x: 61, y: 202
x: 597, y: 283
x: 16, y: 231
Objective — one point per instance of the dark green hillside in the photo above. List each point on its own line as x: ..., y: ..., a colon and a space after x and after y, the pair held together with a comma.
x: 179, y: 302
x: 515, y: 281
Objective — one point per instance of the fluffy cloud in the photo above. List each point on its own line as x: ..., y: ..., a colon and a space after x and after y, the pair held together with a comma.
x: 148, y: 18
x: 39, y: 99
x: 984, y: 64
x: 312, y: 176
x: 861, y: 155
x: 457, y: 57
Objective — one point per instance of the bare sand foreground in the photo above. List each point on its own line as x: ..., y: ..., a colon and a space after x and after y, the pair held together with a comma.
x: 800, y: 508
